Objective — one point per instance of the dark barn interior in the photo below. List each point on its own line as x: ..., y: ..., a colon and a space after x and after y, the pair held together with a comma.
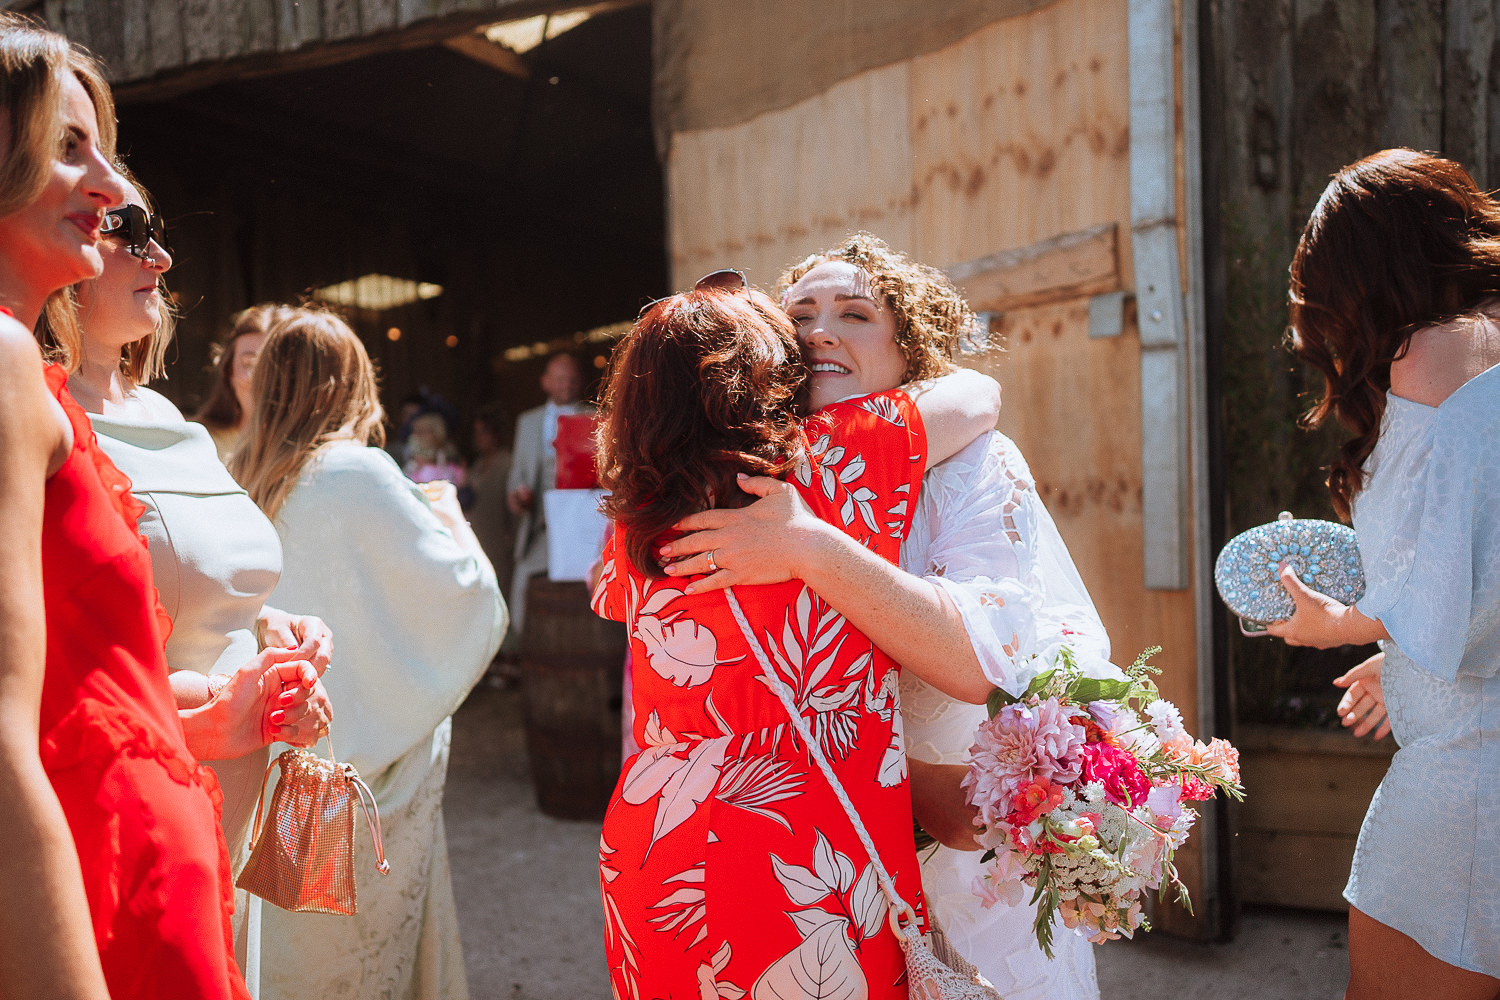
x: 524, y: 185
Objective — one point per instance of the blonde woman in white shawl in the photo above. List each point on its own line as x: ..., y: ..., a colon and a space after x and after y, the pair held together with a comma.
x: 400, y: 577
x: 985, y: 592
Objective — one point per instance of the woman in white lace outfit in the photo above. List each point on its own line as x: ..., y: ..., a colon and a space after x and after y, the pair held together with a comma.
x: 985, y: 584
x: 1396, y: 301
x: 401, y: 579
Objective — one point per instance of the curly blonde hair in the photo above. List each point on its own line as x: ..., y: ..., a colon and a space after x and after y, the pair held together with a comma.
x: 931, y: 316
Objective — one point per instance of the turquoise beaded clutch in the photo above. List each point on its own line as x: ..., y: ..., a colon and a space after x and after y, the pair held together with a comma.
x: 1323, y: 554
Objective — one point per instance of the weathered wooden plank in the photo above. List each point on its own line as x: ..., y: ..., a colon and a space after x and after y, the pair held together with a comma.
x: 105, y: 29
x: 377, y: 15
x: 764, y: 194
x: 1063, y: 267
x: 1020, y: 133
x: 1295, y: 792
x: 1468, y: 39
x: 1411, y: 72
x: 1284, y: 739
x: 135, y: 40
x: 1304, y: 870
x: 340, y: 19
x: 164, y: 20
x: 1338, y: 94
x: 257, y: 26
x: 203, y: 37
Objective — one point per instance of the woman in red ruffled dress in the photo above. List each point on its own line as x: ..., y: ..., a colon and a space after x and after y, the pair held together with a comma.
x: 727, y: 865
x: 114, y: 873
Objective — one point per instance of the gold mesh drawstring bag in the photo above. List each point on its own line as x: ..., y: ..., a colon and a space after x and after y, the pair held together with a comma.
x: 303, y: 860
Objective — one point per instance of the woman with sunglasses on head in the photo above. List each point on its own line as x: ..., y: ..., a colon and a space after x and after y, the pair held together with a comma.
x: 396, y: 572
x: 227, y: 409
x: 244, y: 675
x: 727, y: 863
x: 111, y: 824
x: 985, y: 582
x: 1395, y: 300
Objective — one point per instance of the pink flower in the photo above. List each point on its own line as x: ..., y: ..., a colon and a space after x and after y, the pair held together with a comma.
x: 1195, y: 789
x: 1224, y: 759
x: 1036, y: 799
x: 1021, y: 745
x: 1117, y: 771
x: 1164, y: 801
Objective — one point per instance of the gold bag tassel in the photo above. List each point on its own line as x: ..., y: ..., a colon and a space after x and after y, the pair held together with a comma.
x: 303, y: 858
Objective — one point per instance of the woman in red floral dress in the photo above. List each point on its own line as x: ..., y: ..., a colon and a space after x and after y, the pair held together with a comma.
x: 727, y: 865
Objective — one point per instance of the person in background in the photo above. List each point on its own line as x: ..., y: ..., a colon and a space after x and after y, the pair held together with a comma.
x: 214, y: 555
x: 533, y: 471
x: 398, y: 575
x: 228, y: 404
x: 489, y: 478
x: 1395, y: 300
x: 431, y: 455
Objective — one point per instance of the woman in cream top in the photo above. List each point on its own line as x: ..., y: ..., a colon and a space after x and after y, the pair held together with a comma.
x: 396, y: 572
x: 215, y: 557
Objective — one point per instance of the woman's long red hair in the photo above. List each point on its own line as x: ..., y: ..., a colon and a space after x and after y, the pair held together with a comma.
x: 702, y: 389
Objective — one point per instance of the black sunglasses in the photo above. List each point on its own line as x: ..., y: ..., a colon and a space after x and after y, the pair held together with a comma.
x: 137, y: 229
x: 727, y: 279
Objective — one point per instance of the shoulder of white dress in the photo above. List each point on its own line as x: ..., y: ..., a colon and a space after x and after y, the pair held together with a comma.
x: 157, y: 407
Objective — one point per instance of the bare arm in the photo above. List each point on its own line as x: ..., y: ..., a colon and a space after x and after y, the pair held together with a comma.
x: 46, y: 937
x: 956, y: 408
x: 940, y: 806
x: 779, y: 538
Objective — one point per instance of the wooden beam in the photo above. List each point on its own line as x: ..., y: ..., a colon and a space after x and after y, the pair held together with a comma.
x: 482, y: 50
x: 1064, y: 267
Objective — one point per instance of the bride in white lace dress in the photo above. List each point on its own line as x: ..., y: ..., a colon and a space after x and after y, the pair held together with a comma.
x: 985, y: 584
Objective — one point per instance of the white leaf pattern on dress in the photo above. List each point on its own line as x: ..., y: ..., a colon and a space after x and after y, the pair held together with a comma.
x: 802, y: 885
x: 756, y: 782
x: 684, y: 775
x: 822, y: 967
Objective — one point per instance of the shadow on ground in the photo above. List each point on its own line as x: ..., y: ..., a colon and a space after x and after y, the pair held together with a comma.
x: 528, y: 899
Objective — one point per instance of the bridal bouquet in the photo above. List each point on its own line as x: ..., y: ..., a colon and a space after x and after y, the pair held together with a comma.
x: 1082, y: 787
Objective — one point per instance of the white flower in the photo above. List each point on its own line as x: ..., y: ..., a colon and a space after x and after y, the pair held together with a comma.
x: 1166, y: 720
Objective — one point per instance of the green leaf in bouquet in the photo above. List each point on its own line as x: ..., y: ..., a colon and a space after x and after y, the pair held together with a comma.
x: 998, y: 699
x: 1039, y: 683
x: 1087, y: 689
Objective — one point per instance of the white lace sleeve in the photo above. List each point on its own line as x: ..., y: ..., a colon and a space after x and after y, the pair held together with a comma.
x: 983, y: 535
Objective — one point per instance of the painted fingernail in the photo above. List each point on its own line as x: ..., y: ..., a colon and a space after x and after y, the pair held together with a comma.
x: 286, y: 697
x: 278, y: 717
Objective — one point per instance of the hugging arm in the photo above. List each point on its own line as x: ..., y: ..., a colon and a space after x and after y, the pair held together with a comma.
x: 779, y: 538
x: 46, y: 937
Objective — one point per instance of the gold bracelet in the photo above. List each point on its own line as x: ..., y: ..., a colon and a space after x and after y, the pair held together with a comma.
x: 216, y: 683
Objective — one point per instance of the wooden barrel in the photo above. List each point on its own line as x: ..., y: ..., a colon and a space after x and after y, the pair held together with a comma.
x: 572, y: 663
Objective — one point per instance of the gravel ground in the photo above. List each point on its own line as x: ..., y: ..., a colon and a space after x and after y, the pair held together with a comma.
x: 528, y: 899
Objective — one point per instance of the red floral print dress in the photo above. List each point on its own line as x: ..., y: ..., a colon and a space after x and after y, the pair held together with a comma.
x: 727, y: 866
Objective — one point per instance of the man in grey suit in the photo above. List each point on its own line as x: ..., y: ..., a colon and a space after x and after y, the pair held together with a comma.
x: 533, y: 471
